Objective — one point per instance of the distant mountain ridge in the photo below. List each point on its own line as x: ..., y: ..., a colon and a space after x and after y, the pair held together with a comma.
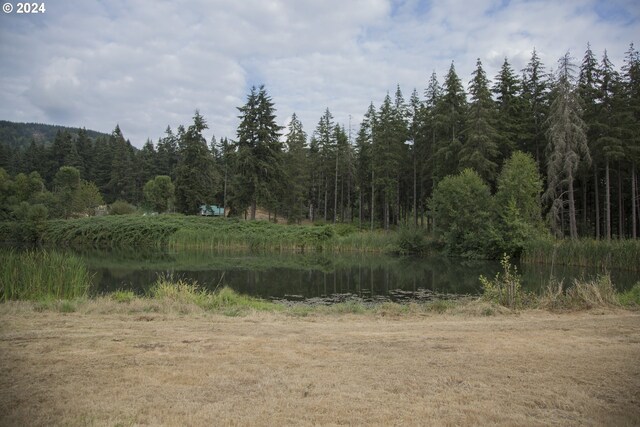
x: 18, y: 135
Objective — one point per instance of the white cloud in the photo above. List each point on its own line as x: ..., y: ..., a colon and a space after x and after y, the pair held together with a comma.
x: 148, y: 64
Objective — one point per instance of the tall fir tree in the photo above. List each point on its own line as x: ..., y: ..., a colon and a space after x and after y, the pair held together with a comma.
x: 431, y: 131
x: 507, y: 90
x: 296, y: 171
x: 480, y: 148
x: 450, y: 118
x: 260, y: 168
x: 535, y: 85
x: 122, y: 184
x: 608, y: 143
x: 195, y: 175
x: 364, y: 166
x: 167, y: 154
x: 325, y: 145
x: 588, y: 88
x: 631, y: 88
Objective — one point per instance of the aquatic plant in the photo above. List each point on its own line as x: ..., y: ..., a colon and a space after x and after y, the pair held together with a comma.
x: 42, y: 274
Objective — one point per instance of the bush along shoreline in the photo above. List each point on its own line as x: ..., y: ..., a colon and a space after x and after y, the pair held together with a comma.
x: 177, y: 232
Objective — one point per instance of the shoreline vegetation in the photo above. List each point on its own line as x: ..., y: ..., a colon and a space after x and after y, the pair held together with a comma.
x: 178, y: 232
x: 51, y: 281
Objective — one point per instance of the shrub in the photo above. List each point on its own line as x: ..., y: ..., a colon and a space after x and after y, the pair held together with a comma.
x: 178, y: 291
x: 411, y: 240
x: 584, y: 294
x: 505, y: 289
x: 120, y: 207
x: 463, y: 212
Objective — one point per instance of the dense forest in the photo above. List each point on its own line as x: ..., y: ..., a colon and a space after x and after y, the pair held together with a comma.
x: 578, y: 126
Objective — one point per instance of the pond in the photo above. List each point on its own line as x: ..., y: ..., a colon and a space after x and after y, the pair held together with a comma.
x: 306, y: 276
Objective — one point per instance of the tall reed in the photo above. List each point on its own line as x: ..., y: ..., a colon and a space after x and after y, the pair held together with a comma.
x: 618, y: 254
x: 36, y: 275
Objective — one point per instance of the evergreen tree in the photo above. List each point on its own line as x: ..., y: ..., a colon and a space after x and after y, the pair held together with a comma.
x: 389, y: 135
x: 260, y: 168
x: 146, y: 162
x: 101, y: 168
x: 431, y: 131
x: 225, y: 160
x: 631, y: 120
x: 195, y: 176
x: 324, y: 143
x: 588, y: 89
x: 122, y: 185
x: 167, y: 154
x: 364, y: 166
x: 480, y: 148
x: 63, y: 152
x: 606, y: 124
x: 510, y: 107
x: 84, y: 148
x: 296, y: 171
x: 567, y: 145
x: 343, y: 173
x: 535, y: 100
x: 35, y: 158
x: 450, y: 116
x: 418, y: 142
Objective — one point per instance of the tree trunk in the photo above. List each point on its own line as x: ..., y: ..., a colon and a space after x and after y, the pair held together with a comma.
x: 253, y: 209
x: 372, y: 197
x: 325, y: 200
x: 573, y: 229
x: 597, y: 195
x: 415, y: 191
x: 607, y: 202
x: 634, y: 198
x: 224, y: 196
x: 335, y: 191
x: 584, y: 205
x: 620, y: 205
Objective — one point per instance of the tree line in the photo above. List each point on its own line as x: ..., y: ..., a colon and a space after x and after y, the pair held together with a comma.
x: 579, y: 125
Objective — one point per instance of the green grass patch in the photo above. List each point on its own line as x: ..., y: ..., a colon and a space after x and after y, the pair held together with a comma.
x: 224, y: 300
x: 630, y: 298
x: 440, y: 306
x: 123, y: 296
x: 41, y: 275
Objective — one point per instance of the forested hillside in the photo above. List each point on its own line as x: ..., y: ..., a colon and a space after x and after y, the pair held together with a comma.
x: 20, y: 135
x: 578, y: 126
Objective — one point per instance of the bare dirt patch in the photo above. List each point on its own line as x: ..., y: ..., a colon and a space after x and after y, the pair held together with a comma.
x: 268, y: 369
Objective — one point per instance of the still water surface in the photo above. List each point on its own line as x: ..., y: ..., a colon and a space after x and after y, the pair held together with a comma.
x: 301, y: 276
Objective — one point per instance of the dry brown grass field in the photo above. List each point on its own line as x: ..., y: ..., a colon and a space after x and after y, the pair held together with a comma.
x: 533, y: 368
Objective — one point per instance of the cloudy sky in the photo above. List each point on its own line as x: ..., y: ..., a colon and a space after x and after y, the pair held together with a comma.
x: 146, y: 64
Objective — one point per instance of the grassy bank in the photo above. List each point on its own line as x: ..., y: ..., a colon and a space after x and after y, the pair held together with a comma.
x: 47, y: 277
x: 193, y: 232
x: 613, y: 254
x: 42, y: 275
x: 169, y: 296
